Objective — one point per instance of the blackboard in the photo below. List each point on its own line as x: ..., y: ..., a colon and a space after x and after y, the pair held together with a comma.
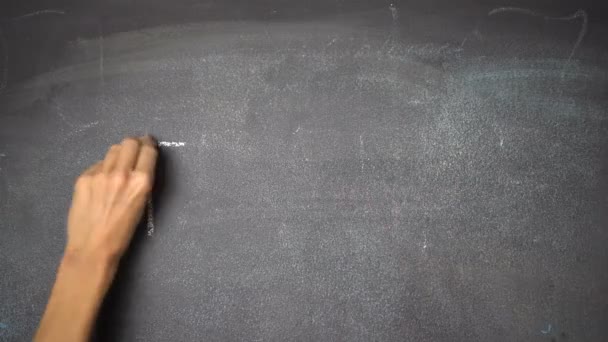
x: 330, y: 170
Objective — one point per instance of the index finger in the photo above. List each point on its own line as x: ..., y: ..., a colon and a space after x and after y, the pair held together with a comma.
x: 146, y: 161
x: 127, y: 157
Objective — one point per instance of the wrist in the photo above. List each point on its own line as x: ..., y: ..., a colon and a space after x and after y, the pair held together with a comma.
x: 83, y: 281
x: 83, y: 264
x: 88, y: 258
x: 96, y: 272
x: 81, y: 284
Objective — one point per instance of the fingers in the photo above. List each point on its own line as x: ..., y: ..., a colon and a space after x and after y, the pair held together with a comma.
x: 93, y: 169
x: 110, y: 159
x: 129, y: 150
x: 146, y: 161
x: 132, y: 154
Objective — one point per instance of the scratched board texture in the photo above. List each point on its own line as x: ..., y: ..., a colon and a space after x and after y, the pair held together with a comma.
x: 330, y: 171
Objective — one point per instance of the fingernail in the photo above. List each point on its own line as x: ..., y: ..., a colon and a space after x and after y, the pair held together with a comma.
x: 151, y: 139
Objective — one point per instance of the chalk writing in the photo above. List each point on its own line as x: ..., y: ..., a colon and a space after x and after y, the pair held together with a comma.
x: 171, y: 143
x: 33, y: 14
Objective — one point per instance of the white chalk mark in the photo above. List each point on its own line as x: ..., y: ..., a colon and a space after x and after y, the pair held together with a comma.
x: 33, y: 14
x: 391, y: 39
x: 514, y: 9
x: 394, y: 13
x: 425, y: 244
x: 4, y: 47
x: 150, y: 217
x: 502, y: 141
x: 81, y: 128
x: 443, y: 47
x: 361, y: 152
x: 581, y: 34
x: 297, y: 130
x: 475, y: 34
x: 463, y: 41
x: 171, y: 143
x: 63, y: 118
x: 578, y: 14
x: 332, y: 42
x: 546, y: 331
x: 101, y: 72
x: 89, y: 125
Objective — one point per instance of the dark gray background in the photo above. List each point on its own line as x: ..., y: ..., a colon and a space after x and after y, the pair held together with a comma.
x: 352, y: 171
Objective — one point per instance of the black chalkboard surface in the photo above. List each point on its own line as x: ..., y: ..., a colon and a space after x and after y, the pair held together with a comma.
x: 331, y: 170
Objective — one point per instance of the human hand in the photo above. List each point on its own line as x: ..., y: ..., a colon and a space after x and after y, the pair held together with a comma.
x: 108, y: 201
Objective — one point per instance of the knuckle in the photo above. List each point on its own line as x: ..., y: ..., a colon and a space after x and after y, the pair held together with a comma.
x: 130, y: 140
x: 114, y: 148
x: 98, y: 179
x: 82, y: 181
x: 143, y: 182
x: 150, y: 149
x: 118, y: 178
